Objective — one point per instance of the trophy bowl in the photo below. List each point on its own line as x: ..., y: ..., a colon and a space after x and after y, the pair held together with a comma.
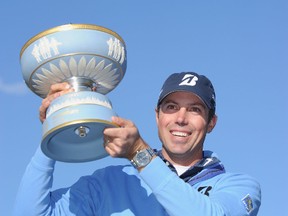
x: 92, y: 59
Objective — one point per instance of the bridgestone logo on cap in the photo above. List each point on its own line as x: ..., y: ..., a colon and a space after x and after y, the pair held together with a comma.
x: 189, y: 80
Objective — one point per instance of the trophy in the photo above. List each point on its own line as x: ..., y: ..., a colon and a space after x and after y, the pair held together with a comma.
x: 92, y: 59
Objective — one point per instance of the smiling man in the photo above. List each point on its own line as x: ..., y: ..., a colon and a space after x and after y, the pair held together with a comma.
x: 183, y: 123
x: 182, y: 179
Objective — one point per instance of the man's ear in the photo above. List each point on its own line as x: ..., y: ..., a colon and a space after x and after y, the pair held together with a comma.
x: 212, y: 123
x: 157, y: 114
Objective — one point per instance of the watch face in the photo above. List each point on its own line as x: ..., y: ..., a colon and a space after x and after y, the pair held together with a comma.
x: 143, y: 158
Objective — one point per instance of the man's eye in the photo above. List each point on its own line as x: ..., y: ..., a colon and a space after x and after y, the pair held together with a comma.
x: 195, y: 109
x: 171, y: 106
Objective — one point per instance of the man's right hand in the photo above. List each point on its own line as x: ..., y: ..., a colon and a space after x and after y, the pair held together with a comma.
x: 56, y: 90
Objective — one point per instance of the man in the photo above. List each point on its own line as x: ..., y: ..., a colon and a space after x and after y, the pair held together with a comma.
x: 181, y: 179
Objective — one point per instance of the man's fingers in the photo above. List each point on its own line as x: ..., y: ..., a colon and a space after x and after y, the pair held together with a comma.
x: 59, y: 87
x: 55, y: 91
x: 122, y: 122
x: 45, y: 104
x: 42, y: 110
x: 118, y: 131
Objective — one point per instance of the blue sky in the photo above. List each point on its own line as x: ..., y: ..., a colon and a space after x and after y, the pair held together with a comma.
x: 240, y: 45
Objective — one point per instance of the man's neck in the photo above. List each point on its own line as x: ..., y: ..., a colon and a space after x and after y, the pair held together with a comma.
x: 182, y: 160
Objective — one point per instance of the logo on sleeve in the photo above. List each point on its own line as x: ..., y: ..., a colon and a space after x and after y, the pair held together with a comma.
x: 247, y: 201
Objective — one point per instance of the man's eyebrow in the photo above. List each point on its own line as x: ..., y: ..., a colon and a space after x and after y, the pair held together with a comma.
x: 169, y: 101
x: 197, y: 103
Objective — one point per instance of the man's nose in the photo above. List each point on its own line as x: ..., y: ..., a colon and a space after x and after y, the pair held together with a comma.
x: 182, y: 116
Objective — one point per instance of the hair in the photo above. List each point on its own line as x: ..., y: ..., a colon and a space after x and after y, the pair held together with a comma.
x: 211, y: 114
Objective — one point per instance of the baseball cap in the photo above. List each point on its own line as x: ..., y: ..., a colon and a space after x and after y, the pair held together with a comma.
x: 189, y: 82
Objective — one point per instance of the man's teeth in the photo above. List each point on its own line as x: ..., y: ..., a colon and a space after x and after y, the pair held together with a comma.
x: 181, y: 134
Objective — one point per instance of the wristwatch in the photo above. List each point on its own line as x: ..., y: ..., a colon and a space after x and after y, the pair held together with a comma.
x: 142, y: 158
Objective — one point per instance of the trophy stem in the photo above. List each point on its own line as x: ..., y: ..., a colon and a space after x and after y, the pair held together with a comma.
x: 82, y: 84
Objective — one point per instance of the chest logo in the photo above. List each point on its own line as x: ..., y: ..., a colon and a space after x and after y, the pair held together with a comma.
x: 205, y: 190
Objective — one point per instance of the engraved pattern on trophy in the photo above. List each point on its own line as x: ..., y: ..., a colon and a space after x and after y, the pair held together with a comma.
x: 106, y: 77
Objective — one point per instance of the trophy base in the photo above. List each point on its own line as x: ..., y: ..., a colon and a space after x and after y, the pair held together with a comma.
x: 73, y: 129
x: 80, y: 142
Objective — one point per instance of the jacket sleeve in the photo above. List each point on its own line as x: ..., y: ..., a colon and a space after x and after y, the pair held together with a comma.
x: 33, y: 196
x: 179, y: 198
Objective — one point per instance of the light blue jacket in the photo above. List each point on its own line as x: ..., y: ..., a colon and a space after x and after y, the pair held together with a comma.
x: 122, y: 191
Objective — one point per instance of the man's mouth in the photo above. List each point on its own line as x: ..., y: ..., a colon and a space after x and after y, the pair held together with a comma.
x: 180, y: 133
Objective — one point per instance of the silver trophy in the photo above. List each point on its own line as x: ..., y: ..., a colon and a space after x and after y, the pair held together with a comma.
x: 93, y: 60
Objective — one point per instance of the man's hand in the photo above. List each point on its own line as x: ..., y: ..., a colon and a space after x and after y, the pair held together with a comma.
x: 56, y: 90
x: 124, y: 141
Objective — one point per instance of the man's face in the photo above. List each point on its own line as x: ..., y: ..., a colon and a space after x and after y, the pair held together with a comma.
x: 182, y: 126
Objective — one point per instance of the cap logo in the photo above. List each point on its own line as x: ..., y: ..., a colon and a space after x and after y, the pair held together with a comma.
x: 189, y: 80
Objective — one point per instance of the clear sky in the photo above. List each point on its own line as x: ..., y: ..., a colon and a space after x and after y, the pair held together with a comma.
x: 240, y: 45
